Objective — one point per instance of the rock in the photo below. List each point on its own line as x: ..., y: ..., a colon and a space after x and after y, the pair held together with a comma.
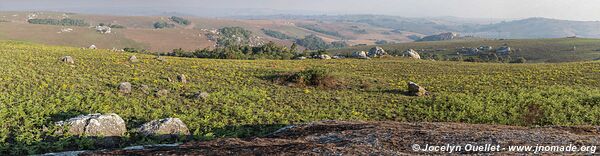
x: 133, y: 59
x: 169, y: 127
x: 376, y: 52
x: 360, y: 55
x: 162, y: 92
x: 337, y: 57
x: 95, y: 125
x: 125, y: 87
x: 145, y: 89
x: 202, y: 95
x: 503, y: 50
x: 416, y: 90
x: 301, y: 58
x: 468, y: 51
x: 161, y: 59
x: 323, y: 57
x: 103, y: 29
x: 92, y: 47
x: 440, y: 37
x: 181, y: 78
x: 412, y: 54
x: 485, y: 48
x: 67, y: 59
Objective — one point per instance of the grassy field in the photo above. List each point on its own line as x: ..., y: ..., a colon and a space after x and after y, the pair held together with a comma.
x: 37, y: 90
x: 534, y: 50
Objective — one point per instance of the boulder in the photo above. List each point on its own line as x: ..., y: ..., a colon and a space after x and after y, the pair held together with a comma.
x: 161, y: 59
x: 338, y: 57
x: 376, y: 52
x: 145, y: 89
x: 504, y: 50
x: 416, y: 90
x: 67, y: 59
x: 92, y: 47
x: 412, y: 54
x: 360, y: 55
x: 133, y: 59
x: 323, y: 57
x: 95, y: 125
x: 169, y: 127
x: 301, y: 58
x: 125, y: 87
x: 201, y: 95
x: 162, y: 92
x: 181, y: 78
x: 103, y: 29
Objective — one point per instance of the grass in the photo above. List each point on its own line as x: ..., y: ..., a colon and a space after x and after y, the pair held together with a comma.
x: 534, y: 50
x: 37, y: 90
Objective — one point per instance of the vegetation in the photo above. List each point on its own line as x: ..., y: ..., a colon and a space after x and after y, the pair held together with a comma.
x: 318, y: 29
x: 162, y: 25
x: 246, y: 52
x: 314, y: 42
x: 277, y: 34
x: 37, y: 90
x: 114, y: 26
x: 234, y: 36
x: 180, y: 20
x: 62, y: 22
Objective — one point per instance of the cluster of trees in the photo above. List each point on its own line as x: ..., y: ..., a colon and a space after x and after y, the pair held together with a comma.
x: 233, y: 36
x: 313, y: 42
x: 266, y: 51
x: 162, y: 25
x: 277, y: 34
x: 491, y: 57
x: 180, y: 20
x: 63, y: 22
x: 315, y: 28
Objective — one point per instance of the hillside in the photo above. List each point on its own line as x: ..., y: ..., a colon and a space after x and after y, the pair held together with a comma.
x: 534, y: 50
x: 37, y: 90
x: 540, y: 28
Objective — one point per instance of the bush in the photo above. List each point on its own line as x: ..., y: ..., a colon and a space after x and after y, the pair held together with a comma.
x: 180, y: 20
x: 63, y: 22
x: 317, y: 77
x: 233, y: 36
x: 277, y: 34
x: 162, y: 25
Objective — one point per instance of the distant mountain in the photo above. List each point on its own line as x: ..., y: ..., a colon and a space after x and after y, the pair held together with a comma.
x: 539, y: 28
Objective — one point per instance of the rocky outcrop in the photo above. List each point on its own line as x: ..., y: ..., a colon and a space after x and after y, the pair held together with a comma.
x: 376, y: 52
x: 504, y: 50
x: 440, y: 37
x: 67, y: 59
x: 323, y: 57
x: 169, y: 127
x: 416, y: 90
x: 410, y: 53
x: 103, y: 29
x: 125, y: 87
x: 133, y: 59
x: 93, y: 47
x: 360, y: 55
x: 95, y: 125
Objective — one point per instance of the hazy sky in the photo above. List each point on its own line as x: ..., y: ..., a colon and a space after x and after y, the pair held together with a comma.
x: 560, y: 9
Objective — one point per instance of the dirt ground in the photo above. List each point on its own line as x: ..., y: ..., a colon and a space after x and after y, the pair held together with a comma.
x: 385, y: 138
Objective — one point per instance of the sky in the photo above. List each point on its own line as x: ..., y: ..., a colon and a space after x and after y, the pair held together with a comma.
x: 583, y: 10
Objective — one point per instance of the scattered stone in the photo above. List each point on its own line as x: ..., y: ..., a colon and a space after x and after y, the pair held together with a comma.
x: 376, y: 52
x: 67, y: 59
x: 360, y: 55
x: 485, y: 48
x: 125, y: 87
x: 103, y: 29
x: 162, y: 92
x: 145, y: 89
x: 504, y: 50
x: 96, y: 125
x: 93, y: 47
x: 201, y: 95
x: 412, y: 54
x: 468, y: 51
x: 161, y: 59
x: 416, y: 90
x: 337, y: 57
x: 182, y: 78
x: 133, y: 59
x: 164, y: 128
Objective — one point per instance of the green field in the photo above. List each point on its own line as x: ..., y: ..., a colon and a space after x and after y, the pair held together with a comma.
x: 37, y: 90
x: 534, y: 50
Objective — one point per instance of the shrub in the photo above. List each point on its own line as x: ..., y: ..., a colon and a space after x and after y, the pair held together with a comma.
x: 63, y: 22
x: 316, y: 77
x: 180, y: 20
x: 162, y: 25
x: 277, y: 34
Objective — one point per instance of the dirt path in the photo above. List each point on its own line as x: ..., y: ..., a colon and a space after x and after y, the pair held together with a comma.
x: 385, y: 138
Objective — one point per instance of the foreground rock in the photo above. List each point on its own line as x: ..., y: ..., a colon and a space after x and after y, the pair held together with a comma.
x: 125, y: 87
x: 416, y: 90
x: 182, y: 78
x: 95, y: 125
x: 379, y: 138
x: 376, y: 52
x: 67, y: 59
x: 133, y: 59
x: 164, y: 128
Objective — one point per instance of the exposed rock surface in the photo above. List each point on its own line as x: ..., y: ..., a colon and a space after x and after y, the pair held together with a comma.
x: 440, y: 37
x: 376, y: 52
x: 416, y: 90
x: 169, y: 127
x: 125, y: 87
x: 67, y: 59
x: 378, y: 138
x: 182, y: 78
x: 97, y: 125
x: 323, y: 57
x: 412, y: 54
x: 93, y: 47
x: 133, y: 59
x: 103, y: 29
x: 360, y: 55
